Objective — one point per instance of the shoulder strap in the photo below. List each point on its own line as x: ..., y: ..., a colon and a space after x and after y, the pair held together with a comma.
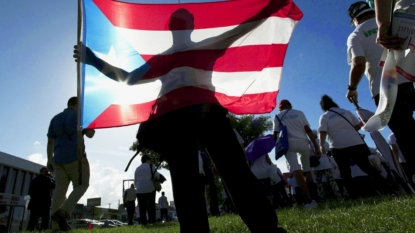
x: 342, y: 116
x: 281, y: 117
x: 349, y: 123
x: 151, y: 169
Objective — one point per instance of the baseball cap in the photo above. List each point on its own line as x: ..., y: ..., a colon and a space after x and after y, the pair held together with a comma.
x: 282, y: 102
x: 357, y: 9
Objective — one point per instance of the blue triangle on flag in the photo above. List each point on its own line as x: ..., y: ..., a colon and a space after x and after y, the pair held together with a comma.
x: 103, y: 38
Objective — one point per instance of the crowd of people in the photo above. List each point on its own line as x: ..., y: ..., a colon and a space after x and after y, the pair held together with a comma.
x: 346, y: 166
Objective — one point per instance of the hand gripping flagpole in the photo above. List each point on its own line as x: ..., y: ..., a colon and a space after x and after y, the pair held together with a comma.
x: 79, y: 125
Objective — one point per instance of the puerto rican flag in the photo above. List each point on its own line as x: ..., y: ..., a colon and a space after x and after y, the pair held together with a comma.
x: 229, y: 53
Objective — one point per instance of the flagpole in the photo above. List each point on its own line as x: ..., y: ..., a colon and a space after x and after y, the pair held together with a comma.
x: 78, y: 69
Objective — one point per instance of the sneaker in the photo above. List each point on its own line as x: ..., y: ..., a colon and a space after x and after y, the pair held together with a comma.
x: 61, y: 217
x: 311, y: 205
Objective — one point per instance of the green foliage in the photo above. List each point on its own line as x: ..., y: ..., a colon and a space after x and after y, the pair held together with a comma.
x: 154, y: 156
x: 250, y: 127
x: 381, y: 215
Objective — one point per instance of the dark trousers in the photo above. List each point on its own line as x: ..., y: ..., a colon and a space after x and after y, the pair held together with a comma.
x: 402, y: 123
x: 280, y: 197
x: 147, y: 203
x: 208, y: 125
x: 359, y: 154
x: 35, y: 214
x: 164, y: 213
x: 130, y: 205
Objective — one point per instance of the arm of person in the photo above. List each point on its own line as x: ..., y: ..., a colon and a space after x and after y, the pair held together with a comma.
x: 323, y: 136
x: 225, y: 40
x: 383, y: 10
x: 115, y: 73
x: 310, y: 134
x: 49, y: 152
x: 357, y: 127
x: 357, y: 70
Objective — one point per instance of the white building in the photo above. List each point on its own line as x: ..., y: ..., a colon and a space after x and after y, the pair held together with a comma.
x: 15, y: 176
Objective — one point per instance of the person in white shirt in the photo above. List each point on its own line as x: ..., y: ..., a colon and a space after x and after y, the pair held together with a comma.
x: 261, y: 169
x: 163, y: 205
x: 299, y: 133
x: 341, y: 127
x: 146, y: 192
x: 364, y: 57
x: 129, y: 203
x: 280, y: 197
x: 323, y: 170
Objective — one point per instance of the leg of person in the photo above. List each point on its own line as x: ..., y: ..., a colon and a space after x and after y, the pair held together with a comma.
x: 329, y: 177
x: 130, y: 211
x: 143, y: 208
x: 277, y: 201
x: 33, y: 220
x: 45, y: 218
x: 78, y: 190
x: 59, y: 194
x: 284, y: 195
x: 295, y: 168
x: 151, y: 208
x: 339, y: 183
x: 302, y: 148
x: 402, y: 124
x: 214, y: 202
x: 227, y: 155
x: 182, y: 157
x: 360, y: 157
x: 342, y: 157
x: 319, y: 183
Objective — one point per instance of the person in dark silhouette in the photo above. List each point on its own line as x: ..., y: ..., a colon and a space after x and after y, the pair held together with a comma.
x: 40, y: 199
x: 178, y: 133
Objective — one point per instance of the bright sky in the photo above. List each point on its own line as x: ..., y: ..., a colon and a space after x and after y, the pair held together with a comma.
x: 38, y: 76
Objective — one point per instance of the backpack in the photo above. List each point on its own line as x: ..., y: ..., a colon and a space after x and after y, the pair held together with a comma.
x: 282, y: 142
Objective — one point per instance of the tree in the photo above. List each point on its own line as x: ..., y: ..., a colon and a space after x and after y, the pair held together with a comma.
x: 249, y: 127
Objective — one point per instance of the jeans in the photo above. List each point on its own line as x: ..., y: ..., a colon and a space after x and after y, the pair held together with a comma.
x: 359, y: 154
x: 147, y: 203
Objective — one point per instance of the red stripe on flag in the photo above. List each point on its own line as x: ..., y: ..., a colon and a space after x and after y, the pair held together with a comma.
x: 157, y: 16
x: 119, y: 115
x: 236, y: 59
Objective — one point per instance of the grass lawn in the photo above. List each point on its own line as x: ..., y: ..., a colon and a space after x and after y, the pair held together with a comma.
x: 381, y: 214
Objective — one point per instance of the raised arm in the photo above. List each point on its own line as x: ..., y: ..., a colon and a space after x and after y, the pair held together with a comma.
x: 115, y: 73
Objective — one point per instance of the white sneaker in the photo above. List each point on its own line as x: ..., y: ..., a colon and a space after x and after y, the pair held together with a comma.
x: 312, y: 205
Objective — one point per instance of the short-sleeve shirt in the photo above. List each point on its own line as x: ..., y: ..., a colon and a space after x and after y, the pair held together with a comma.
x: 340, y: 133
x: 63, y: 129
x: 392, y: 141
x: 142, y: 178
x: 295, y: 121
x: 362, y: 42
x: 163, y: 204
x: 260, y: 168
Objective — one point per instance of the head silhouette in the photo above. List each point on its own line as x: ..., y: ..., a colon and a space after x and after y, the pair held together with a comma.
x: 181, y: 19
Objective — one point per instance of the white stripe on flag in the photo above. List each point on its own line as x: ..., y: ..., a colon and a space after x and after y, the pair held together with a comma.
x: 231, y: 84
x: 273, y: 30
